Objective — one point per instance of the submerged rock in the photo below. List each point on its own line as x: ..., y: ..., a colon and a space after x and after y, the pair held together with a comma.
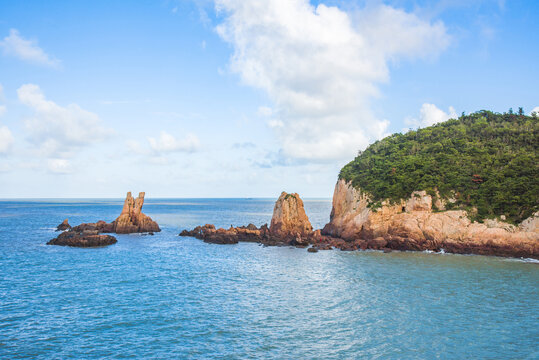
x: 88, y: 238
x: 63, y: 226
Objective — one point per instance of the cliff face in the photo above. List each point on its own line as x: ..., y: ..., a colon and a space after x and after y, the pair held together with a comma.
x: 412, y: 225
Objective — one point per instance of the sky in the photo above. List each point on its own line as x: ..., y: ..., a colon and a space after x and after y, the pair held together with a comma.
x: 237, y: 98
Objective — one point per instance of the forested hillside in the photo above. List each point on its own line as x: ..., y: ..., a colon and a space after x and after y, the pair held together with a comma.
x: 484, y: 160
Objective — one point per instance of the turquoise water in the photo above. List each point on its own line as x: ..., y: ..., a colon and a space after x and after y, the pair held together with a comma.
x: 165, y: 297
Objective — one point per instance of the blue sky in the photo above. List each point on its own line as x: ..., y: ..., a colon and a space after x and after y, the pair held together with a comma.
x: 232, y: 98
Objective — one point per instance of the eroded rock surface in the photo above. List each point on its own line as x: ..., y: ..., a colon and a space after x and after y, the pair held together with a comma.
x: 289, y: 220
x: 289, y: 226
x: 132, y: 220
x: 412, y: 225
x: 87, y: 238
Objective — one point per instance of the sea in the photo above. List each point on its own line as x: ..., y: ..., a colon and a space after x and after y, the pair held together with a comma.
x: 171, y: 297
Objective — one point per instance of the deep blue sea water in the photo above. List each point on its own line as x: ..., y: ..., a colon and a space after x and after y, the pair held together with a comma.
x: 166, y: 297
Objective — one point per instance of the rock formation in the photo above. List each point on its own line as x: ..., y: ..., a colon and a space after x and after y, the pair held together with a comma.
x: 63, y: 226
x: 412, y: 225
x: 86, y: 238
x: 289, y: 220
x: 289, y: 226
x: 233, y: 235
x: 132, y: 220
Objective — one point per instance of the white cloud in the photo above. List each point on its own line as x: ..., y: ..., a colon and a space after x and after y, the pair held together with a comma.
x: 535, y: 110
x: 321, y: 66
x: 167, y: 143
x: 28, y: 50
x: 6, y: 140
x: 3, y: 110
x: 59, y: 130
x: 430, y: 114
x: 59, y: 166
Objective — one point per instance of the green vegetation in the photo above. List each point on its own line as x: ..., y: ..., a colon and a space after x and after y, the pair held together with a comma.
x: 484, y: 160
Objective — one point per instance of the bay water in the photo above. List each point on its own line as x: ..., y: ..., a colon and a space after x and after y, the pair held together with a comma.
x: 166, y: 296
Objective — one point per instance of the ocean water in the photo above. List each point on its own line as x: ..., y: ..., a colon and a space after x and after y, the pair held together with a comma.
x: 165, y: 297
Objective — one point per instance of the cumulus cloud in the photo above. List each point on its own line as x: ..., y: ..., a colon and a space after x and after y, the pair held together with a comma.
x: 167, y: 143
x: 535, y: 110
x: 28, y: 50
x: 430, y: 114
x: 58, y: 130
x: 320, y: 66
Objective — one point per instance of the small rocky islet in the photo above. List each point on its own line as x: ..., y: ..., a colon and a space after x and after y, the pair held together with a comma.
x: 131, y: 220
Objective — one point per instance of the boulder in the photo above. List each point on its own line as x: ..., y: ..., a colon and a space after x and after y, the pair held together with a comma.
x: 63, y: 226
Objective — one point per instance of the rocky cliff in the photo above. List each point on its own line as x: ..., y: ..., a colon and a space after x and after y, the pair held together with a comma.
x: 412, y: 224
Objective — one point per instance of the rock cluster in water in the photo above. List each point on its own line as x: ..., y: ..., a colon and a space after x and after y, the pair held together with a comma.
x: 409, y: 225
x: 131, y: 220
x: 289, y: 226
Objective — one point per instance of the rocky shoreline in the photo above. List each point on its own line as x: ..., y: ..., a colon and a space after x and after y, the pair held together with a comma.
x: 408, y: 226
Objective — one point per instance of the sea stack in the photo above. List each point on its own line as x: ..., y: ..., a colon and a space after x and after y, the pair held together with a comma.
x: 132, y: 220
x: 289, y: 218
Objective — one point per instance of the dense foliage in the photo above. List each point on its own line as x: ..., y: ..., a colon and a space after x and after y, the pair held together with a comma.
x: 484, y: 160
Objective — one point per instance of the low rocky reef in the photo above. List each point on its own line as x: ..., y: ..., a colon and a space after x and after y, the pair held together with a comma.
x: 409, y: 225
x: 87, y: 238
x: 131, y: 220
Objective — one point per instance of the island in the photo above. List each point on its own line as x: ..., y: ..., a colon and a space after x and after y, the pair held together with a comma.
x: 131, y: 220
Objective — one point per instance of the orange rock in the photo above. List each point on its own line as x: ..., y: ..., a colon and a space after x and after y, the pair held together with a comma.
x: 132, y: 220
x: 289, y: 219
x: 412, y: 225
